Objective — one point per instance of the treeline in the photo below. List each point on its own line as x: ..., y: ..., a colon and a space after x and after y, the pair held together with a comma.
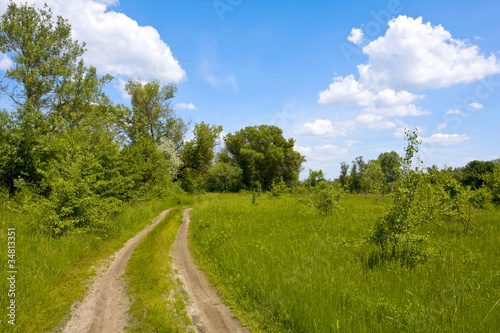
x: 71, y: 155
x: 381, y: 175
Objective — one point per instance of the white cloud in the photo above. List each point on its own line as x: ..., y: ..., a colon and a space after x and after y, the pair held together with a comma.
x: 477, y: 106
x: 442, y: 125
x: 115, y: 43
x: 325, y: 153
x: 445, y: 139
x: 416, y: 55
x: 324, y: 127
x: 345, y: 91
x: 356, y: 36
x: 5, y: 62
x: 374, y: 121
x: 189, y: 106
x: 410, y: 56
x: 457, y: 112
x: 348, y: 91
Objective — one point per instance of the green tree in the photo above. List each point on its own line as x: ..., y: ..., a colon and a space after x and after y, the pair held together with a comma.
x: 49, y: 86
x: 152, y: 116
x: 224, y: 177
x: 474, y: 173
x: 344, y: 175
x: 197, y: 155
x: 409, y: 209
x: 315, y: 178
x: 391, y: 165
x: 264, y: 156
x: 372, y: 179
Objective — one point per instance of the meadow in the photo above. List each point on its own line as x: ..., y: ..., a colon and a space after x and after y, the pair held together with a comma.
x: 285, y: 267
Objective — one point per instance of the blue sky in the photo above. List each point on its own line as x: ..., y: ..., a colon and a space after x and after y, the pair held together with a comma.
x: 341, y: 78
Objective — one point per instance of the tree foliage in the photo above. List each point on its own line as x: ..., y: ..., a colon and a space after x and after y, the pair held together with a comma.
x: 264, y: 156
x: 197, y: 156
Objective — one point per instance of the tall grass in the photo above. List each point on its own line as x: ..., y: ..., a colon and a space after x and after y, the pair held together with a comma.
x: 158, y: 298
x: 53, y: 273
x: 286, y: 268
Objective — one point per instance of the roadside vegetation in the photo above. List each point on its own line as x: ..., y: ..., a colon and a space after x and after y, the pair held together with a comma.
x: 158, y: 299
x: 54, y: 272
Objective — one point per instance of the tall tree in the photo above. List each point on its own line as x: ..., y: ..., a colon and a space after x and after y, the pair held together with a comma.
x: 48, y: 72
x: 264, y: 156
x: 48, y: 84
x: 152, y: 115
x: 344, y: 174
x: 391, y: 164
x: 198, y: 154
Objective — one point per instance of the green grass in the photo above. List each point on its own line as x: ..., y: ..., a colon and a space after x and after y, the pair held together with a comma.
x: 158, y: 298
x: 285, y: 268
x: 53, y: 273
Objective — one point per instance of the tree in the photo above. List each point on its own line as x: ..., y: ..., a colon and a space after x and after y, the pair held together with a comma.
x: 372, y: 179
x: 344, y: 176
x: 223, y: 177
x: 43, y: 52
x: 391, y: 166
x: 264, y: 156
x: 315, y: 178
x: 410, y: 208
x: 49, y: 86
x: 48, y: 73
x: 474, y: 172
x: 198, y: 154
x: 152, y: 116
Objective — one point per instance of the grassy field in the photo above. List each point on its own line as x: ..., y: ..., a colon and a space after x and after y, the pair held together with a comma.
x: 285, y: 268
x: 157, y: 294
x: 53, y: 272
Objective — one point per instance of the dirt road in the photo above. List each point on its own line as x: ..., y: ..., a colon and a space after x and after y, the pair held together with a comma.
x: 105, y: 307
x: 206, y: 310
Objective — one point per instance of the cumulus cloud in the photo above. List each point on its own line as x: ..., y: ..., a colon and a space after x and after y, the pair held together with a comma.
x: 324, y: 127
x: 356, y: 36
x: 445, y: 139
x: 181, y: 106
x: 457, y: 112
x: 477, y: 106
x: 324, y: 153
x: 348, y: 91
x: 115, y: 43
x: 412, y: 55
x: 417, y: 55
x: 345, y: 91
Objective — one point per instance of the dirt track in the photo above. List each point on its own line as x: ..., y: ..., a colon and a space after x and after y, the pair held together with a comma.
x: 105, y: 307
x: 206, y: 310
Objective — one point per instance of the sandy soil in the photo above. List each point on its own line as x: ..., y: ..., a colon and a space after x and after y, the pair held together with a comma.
x: 105, y: 307
x: 206, y: 309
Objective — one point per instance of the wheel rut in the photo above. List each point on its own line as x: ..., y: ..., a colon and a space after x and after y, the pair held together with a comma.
x: 207, y: 311
x: 105, y: 307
